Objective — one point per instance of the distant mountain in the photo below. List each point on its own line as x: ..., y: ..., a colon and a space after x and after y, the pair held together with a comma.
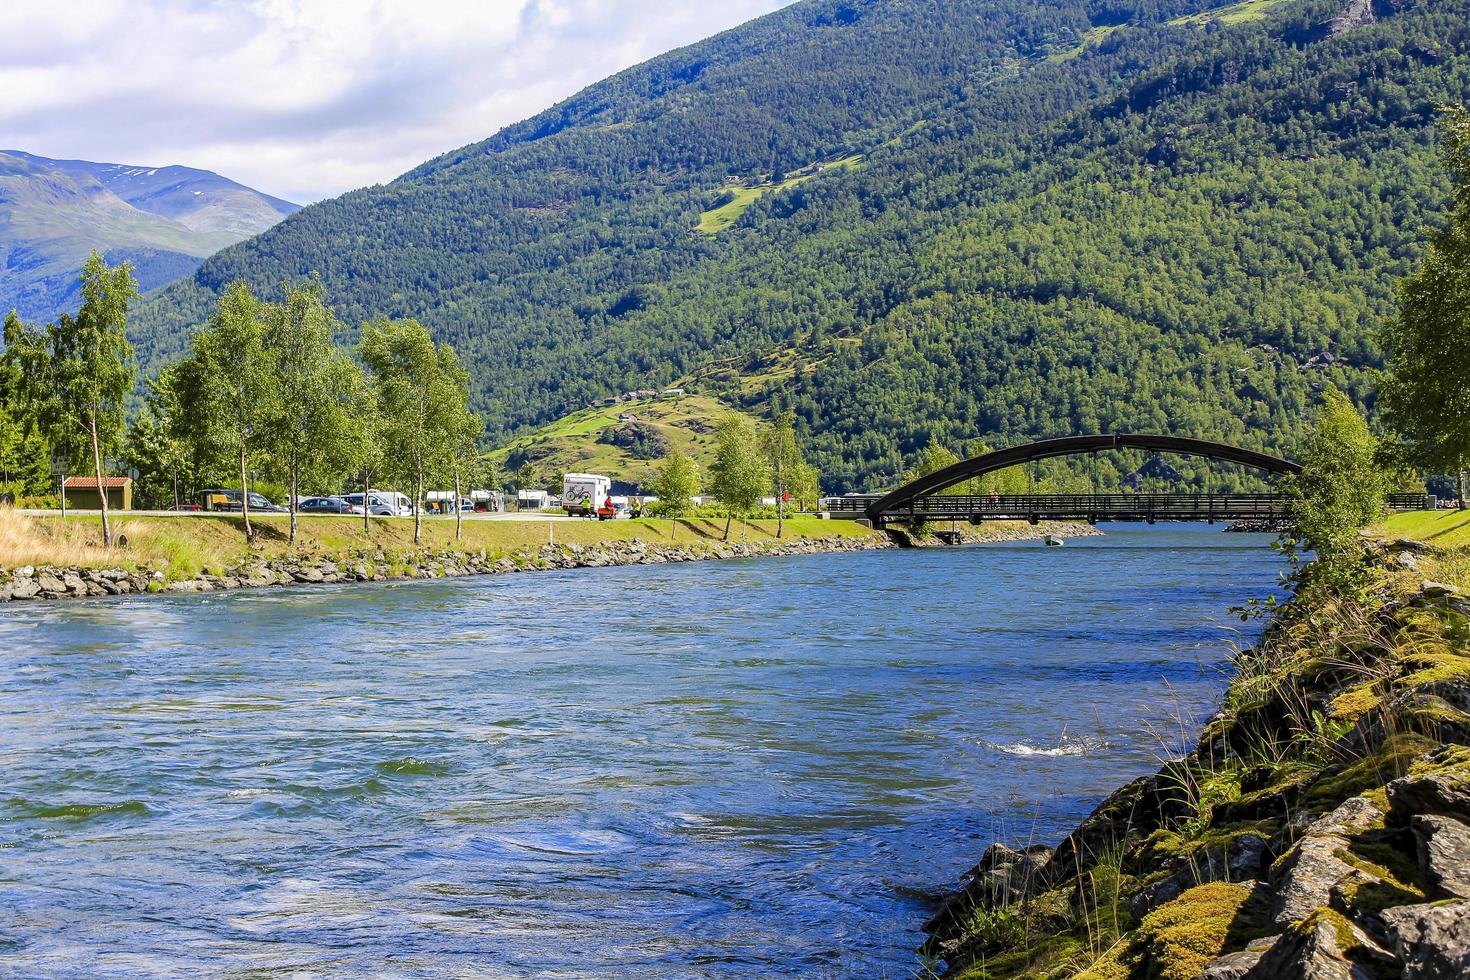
x: 165, y: 220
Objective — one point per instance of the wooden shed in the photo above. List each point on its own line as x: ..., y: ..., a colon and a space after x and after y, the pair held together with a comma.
x: 81, y: 492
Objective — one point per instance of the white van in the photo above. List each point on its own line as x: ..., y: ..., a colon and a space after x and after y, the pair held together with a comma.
x: 583, y: 493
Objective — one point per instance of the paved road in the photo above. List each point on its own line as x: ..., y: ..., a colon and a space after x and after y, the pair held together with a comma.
x: 256, y: 515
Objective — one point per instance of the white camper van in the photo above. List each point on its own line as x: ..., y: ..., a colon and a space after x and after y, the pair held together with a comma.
x: 583, y: 493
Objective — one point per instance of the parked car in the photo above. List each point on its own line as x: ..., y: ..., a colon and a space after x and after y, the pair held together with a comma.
x: 377, y: 505
x: 186, y: 507
x: 327, y: 505
x: 229, y: 500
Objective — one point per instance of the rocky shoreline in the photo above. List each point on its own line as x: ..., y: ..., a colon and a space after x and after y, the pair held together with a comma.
x: 48, y: 583
x: 1320, y: 829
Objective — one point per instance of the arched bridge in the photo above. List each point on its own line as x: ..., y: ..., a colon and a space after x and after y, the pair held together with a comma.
x: 921, y: 499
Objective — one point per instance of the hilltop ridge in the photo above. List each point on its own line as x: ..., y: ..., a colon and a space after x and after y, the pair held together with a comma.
x: 165, y: 220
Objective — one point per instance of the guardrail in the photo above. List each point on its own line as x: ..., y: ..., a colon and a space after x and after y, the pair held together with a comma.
x: 1098, y: 507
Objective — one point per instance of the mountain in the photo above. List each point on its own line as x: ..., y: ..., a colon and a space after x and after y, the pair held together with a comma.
x: 917, y: 221
x: 165, y: 220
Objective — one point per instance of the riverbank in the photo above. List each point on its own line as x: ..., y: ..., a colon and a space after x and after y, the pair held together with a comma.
x: 1320, y: 826
x: 52, y: 558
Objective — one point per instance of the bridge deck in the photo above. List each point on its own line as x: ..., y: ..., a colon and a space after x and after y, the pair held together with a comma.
x: 1095, y: 507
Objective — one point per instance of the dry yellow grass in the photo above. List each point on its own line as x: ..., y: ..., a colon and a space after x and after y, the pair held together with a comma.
x: 187, y: 545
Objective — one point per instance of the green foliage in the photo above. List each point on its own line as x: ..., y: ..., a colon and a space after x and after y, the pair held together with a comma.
x: 422, y: 396
x: 741, y: 473
x: 227, y: 388
x: 1161, y: 233
x: 1426, y: 391
x: 158, y: 449
x: 311, y: 430
x: 75, y: 376
x: 676, y: 481
x: 1340, y: 490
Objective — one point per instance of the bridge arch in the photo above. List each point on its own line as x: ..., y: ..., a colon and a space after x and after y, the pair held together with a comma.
x: 969, y: 469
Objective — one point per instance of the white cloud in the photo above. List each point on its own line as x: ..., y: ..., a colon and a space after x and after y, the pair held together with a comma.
x: 309, y: 98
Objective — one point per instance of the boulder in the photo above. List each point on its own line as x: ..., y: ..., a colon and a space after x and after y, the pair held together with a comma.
x: 1308, y: 876
x: 1446, y: 793
x: 24, y: 587
x: 1444, y: 852
x: 1433, y: 941
x: 49, y: 583
x: 1232, y: 966
x: 1312, y: 950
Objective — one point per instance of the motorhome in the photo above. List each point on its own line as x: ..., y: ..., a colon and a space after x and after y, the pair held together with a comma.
x: 532, y: 499
x: 442, y: 502
x: 583, y: 493
x: 488, y: 501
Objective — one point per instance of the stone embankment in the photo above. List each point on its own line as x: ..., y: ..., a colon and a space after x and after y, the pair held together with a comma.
x: 36, y: 582
x: 376, y: 566
x: 1319, y: 830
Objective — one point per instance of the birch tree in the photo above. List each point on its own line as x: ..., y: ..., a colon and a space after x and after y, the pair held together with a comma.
x: 310, y: 432
x: 740, y: 473
x: 229, y: 388
x: 404, y: 365
x: 76, y: 374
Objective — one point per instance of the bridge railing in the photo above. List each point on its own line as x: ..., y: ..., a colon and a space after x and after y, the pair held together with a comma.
x: 1109, y: 506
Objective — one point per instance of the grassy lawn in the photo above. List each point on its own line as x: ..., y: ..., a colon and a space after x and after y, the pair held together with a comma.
x: 1446, y: 530
x: 716, y: 220
x: 1236, y: 13
x: 187, y: 545
x: 570, y: 444
x: 1441, y: 528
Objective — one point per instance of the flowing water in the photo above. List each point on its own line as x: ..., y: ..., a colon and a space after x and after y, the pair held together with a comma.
x: 744, y: 768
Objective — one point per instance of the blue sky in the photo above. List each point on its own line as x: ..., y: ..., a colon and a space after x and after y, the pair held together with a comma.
x: 306, y: 99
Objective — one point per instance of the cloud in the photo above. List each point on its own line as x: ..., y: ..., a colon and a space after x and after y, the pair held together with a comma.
x: 306, y: 99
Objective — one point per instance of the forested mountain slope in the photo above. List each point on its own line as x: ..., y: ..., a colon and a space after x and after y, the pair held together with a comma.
x: 1066, y: 217
x: 165, y: 220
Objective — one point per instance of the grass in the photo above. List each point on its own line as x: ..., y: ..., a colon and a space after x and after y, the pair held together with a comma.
x: 570, y: 444
x: 1236, y: 13
x: 1441, y: 528
x: 185, y: 546
x: 716, y: 220
x: 1091, y: 39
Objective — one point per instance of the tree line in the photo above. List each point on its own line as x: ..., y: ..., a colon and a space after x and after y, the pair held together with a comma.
x: 263, y: 392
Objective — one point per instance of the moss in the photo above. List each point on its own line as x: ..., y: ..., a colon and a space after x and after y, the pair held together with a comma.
x: 1371, y: 854
x: 1449, y: 760
x: 1176, y: 940
x: 1388, y: 763
x: 1187, y: 933
x: 1050, y: 956
x: 1357, y: 702
x: 1435, y: 666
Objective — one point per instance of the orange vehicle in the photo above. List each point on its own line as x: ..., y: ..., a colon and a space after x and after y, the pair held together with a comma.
x: 607, y: 511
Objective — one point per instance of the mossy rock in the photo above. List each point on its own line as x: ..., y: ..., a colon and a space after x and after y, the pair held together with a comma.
x: 1176, y: 940
x: 1392, y: 760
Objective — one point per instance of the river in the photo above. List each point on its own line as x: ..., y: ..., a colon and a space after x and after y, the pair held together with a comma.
x: 741, y: 768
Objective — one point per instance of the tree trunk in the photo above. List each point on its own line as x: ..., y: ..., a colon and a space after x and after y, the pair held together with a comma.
x: 367, y: 516
x: 727, y: 525
x: 245, y: 496
x: 1460, y: 483
x: 101, y: 490
x: 458, y: 514
x: 176, y: 488
x: 418, y: 505
x: 292, y: 503
x: 780, y: 504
